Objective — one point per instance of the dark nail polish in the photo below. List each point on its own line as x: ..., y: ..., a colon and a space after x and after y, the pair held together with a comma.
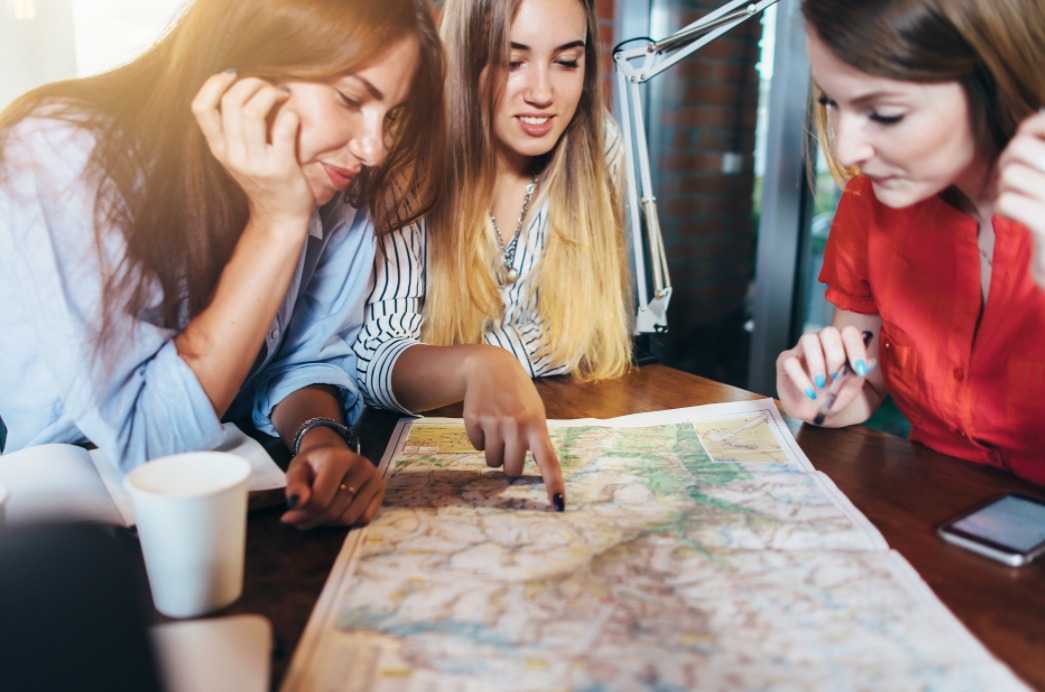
x: 278, y: 649
x: 559, y: 502
x: 292, y: 501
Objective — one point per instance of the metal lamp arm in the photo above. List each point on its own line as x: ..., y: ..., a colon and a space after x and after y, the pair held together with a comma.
x: 636, y: 66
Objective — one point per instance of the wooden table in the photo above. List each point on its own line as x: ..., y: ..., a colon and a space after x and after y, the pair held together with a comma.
x: 906, y: 490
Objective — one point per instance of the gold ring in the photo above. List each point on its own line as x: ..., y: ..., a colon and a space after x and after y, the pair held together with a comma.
x: 348, y: 489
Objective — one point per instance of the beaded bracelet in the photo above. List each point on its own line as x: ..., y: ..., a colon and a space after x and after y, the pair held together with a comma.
x: 346, y: 433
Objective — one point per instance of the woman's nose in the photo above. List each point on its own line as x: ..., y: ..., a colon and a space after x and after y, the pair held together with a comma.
x: 538, y: 87
x: 368, y: 145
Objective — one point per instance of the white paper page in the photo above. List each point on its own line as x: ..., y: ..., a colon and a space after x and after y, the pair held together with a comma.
x: 264, y: 473
x: 215, y: 654
x: 55, y: 481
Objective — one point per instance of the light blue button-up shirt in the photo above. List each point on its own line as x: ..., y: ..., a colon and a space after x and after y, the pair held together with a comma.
x: 143, y: 401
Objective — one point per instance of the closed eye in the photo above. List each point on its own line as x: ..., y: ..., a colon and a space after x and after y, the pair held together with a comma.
x: 876, y: 117
x: 348, y: 100
x: 885, y: 119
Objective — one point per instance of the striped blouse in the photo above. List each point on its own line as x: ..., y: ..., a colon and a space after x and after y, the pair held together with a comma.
x: 394, y: 311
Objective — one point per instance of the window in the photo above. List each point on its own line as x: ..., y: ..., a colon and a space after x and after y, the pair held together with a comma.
x: 46, y: 40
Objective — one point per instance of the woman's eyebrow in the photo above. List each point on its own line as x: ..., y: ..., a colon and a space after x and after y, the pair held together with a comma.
x: 371, y: 89
x: 565, y: 46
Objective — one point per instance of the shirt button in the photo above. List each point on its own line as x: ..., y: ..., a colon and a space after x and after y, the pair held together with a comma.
x: 961, y: 433
x: 959, y: 374
x: 274, y: 334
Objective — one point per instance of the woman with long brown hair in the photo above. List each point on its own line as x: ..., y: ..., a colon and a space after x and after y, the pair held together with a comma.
x: 520, y: 269
x: 929, y: 111
x: 186, y: 238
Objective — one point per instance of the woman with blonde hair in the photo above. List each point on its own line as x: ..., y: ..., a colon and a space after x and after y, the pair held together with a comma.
x: 186, y: 238
x: 929, y: 110
x: 520, y: 269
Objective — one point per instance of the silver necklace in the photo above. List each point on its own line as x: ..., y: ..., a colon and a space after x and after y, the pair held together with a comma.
x: 509, y: 275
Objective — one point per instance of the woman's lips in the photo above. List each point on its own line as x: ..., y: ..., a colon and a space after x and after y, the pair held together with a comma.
x: 340, y: 178
x: 535, y: 125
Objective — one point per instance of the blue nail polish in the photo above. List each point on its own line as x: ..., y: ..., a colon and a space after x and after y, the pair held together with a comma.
x: 292, y: 501
x: 820, y: 381
x: 559, y: 502
x: 810, y: 393
x: 861, y: 367
x: 835, y: 374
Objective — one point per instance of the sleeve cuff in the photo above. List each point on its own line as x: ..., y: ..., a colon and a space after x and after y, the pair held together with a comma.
x: 378, y: 391
x: 845, y: 301
x: 181, y: 417
x: 276, y: 390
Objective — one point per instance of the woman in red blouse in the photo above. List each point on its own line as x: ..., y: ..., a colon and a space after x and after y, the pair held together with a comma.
x: 929, y: 110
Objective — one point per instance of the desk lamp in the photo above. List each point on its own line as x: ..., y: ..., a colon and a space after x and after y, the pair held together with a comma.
x: 636, y: 66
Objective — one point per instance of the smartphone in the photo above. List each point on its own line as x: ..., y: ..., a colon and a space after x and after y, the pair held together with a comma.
x: 1010, y: 529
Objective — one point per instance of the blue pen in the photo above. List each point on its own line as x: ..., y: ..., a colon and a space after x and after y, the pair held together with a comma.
x: 836, y: 386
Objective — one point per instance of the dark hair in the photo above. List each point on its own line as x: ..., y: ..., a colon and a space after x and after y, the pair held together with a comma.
x: 993, y: 48
x: 179, y: 212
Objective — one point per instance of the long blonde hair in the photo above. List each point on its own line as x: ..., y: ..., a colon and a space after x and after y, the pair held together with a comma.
x: 994, y: 49
x: 178, y: 210
x: 583, y: 282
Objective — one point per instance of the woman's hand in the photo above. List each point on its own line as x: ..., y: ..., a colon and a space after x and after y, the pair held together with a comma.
x: 504, y: 417
x: 1021, y: 186
x: 235, y: 116
x: 329, y: 484
x: 806, y: 372
x: 503, y: 414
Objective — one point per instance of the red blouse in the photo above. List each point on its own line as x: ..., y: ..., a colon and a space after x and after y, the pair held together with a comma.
x: 971, y: 391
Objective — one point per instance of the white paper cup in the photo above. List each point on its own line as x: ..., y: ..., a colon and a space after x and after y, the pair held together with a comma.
x: 191, y: 511
x: 3, y: 501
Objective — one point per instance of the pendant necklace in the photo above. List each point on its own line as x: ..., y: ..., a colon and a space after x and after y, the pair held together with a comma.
x: 508, y: 275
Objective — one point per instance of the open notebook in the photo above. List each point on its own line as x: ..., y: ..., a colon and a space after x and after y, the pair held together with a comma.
x: 66, y: 482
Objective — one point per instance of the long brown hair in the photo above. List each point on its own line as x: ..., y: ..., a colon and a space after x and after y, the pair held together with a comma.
x: 179, y: 212
x: 994, y: 49
x: 583, y: 275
